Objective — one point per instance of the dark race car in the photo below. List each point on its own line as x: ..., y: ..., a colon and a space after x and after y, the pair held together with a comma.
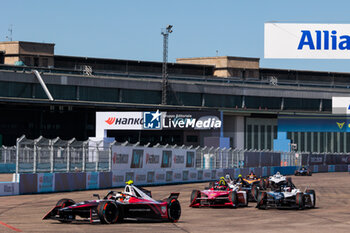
x: 286, y: 195
x: 251, y: 184
x: 133, y: 203
x: 218, y: 195
x: 303, y: 171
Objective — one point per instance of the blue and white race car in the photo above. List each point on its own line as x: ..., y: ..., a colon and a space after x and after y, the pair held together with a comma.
x: 303, y: 171
x: 286, y: 195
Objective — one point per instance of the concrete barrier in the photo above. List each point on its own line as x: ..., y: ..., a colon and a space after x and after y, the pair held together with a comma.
x: 58, y: 182
x: 9, y: 188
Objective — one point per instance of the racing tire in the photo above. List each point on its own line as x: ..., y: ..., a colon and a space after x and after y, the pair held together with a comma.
x: 262, y: 184
x: 309, y: 173
x: 296, y: 173
x: 109, y: 212
x: 255, y: 191
x: 312, y: 192
x: 300, y: 201
x: 174, y: 210
x: 194, y: 195
x: 262, y: 200
x: 65, y: 202
x: 246, y: 205
x: 267, y: 183
x: 232, y: 196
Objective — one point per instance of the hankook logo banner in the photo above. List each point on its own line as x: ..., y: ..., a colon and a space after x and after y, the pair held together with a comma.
x: 311, y: 41
x: 156, y: 120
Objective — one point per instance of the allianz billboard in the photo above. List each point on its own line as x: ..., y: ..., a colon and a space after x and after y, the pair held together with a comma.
x: 310, y: 41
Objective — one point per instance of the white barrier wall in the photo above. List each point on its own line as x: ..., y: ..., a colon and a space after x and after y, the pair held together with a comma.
x: 9, y: 188
x: 153, y: 165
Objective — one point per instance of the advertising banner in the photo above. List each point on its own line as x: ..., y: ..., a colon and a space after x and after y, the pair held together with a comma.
x: 152, y: 158
x: 118, y: 178
x: 341, y: 105
x: 70, y: 181
x: 156, y: 120
x: 46, y: 182
x: 121, y: 158
x: 160, y: 176
x: 92, y: 180
x: 9, y: 188
x: 179, y: 157
x: 105, y: 180
x: 330, y: 123
x: 140, y: 177
x: 307, y: 41
x: 28, y: 183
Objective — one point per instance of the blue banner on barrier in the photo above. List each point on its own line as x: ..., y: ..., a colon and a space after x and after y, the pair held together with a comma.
x: 46, y: 182
x: 283, y: 170
x: 331, y: 168
x: 315, y: 168
x: 264, y: 171
x: 237, y: 172
x: 92, y: 180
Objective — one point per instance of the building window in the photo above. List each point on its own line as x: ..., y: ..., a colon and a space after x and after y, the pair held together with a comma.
x: 36, y: 61
x: 249, y: 137
x: 316, y: 142
x: 262, y: 137
x: 45, y: 62
x: 192, y: 138
x: 256, y: 137
x: 27, y: 61
x: 269, y: 137
x: 308, y: 142
x: 2, y: 58
x: 341, y: 142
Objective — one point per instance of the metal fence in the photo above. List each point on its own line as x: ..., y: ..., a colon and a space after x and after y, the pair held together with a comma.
x: 57, y: 155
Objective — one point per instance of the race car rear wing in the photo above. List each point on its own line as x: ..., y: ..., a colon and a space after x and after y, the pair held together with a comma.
x: 174, y: 195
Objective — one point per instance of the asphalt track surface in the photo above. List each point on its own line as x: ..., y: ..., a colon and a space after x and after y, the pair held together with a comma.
x: 24, y: 213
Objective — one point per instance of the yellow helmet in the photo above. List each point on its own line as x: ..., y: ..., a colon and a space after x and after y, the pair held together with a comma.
x: 129, y: 182
x: 222, y: 178
x: 239, y: 175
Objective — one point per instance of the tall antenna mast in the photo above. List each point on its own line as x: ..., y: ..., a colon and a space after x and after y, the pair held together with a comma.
x: 165, y: 32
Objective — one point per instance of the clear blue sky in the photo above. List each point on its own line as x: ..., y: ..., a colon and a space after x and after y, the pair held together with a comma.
x: 131, y: 29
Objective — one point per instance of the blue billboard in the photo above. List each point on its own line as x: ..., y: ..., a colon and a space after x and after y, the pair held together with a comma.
x: 313, y: 123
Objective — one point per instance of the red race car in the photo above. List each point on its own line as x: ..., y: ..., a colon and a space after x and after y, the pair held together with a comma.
x: 133, y: 203
x: 226, y: 194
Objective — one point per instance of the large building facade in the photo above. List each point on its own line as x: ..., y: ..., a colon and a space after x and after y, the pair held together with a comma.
x: 249, y: 98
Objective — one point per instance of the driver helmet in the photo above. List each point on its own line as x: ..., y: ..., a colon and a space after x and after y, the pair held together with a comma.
x: 239, y: 176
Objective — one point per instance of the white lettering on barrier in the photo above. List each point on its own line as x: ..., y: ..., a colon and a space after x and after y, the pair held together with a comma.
x: 9, y: 188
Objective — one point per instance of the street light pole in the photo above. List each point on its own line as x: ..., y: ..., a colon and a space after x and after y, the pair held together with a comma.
x: 165, y: 32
